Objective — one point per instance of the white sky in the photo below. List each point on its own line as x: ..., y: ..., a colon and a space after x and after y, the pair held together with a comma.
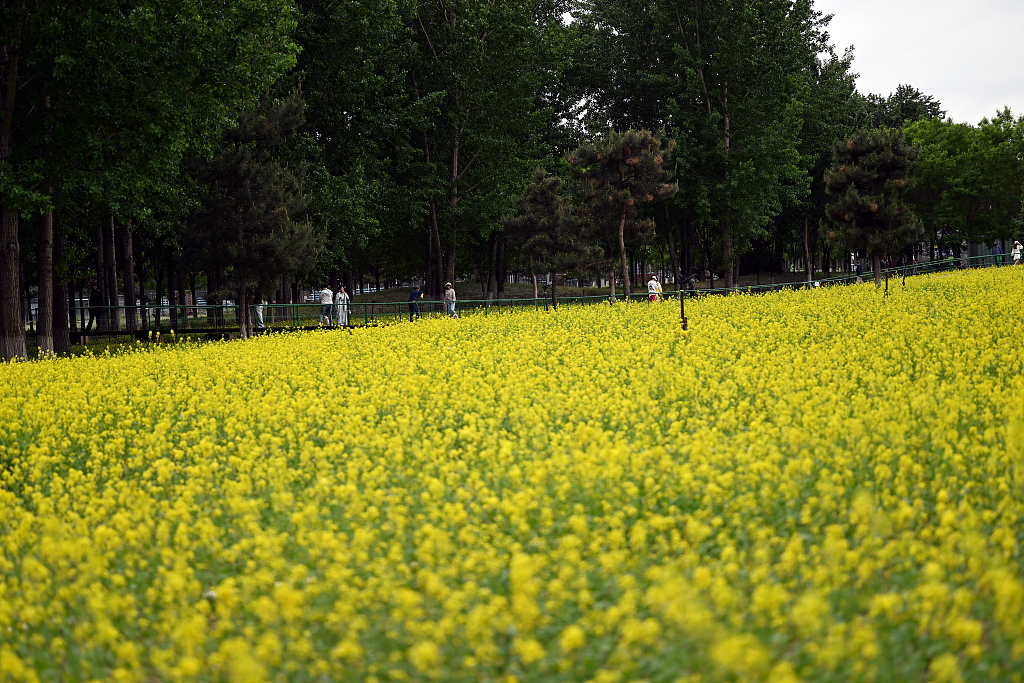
x: 967, y: 54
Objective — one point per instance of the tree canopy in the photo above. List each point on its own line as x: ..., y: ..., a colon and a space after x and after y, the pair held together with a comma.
x: 422, y: 128
x: 870, y: 180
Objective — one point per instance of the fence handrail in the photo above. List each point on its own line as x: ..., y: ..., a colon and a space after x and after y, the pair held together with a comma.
x: 224, y: 317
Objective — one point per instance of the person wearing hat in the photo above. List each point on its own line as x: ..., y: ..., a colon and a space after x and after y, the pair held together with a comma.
x: 653, y: 288
x: 449, y: 300
x: 1016, y: 253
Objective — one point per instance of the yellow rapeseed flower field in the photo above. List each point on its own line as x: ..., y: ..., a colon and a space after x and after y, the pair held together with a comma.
x: 822, y: 485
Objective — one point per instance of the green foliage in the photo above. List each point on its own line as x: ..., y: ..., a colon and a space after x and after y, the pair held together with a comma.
x: 549, y: 233
x: 747, y: 69
x: 130, y: 89
x: 906, y: 105
x: 870, y: 180
x: 968, y: 179
x: 253, y: 216
x: 617, y: 175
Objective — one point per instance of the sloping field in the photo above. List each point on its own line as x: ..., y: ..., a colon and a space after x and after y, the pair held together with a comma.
x: 820, y: 485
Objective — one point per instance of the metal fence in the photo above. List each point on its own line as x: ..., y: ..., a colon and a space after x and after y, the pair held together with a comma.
x: 146, y: 320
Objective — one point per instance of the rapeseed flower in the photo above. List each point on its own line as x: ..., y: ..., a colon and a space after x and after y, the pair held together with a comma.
x: 808, y: 485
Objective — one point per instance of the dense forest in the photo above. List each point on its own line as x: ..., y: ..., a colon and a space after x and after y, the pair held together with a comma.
x: 260, y: 146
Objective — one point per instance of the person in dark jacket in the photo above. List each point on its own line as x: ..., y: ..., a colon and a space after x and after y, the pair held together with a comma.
x: 414, y: 302
x: 95, y: 307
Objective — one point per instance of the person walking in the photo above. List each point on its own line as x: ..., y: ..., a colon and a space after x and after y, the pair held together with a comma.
x: 860, y: 272
x: 997, y: 251
x: 414, y: 302
x: 95, y: 308
x: 341, y: 306
x: 1018, y: 248
x: 258, y: 308
x: 449, y: 300
x: 653, y: 288
x: 326, y: 300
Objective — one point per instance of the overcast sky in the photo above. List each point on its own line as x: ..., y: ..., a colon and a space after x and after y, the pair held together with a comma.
x: 968, y: 54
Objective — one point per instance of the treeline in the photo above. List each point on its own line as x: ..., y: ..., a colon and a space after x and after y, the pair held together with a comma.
x: 260, y: 145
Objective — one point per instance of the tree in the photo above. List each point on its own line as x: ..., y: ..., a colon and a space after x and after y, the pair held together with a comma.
x: 869, y: 179
x: 907, y: 104
x: 618, y: 174
x: 548, y: 231
x: 102, y: 100
x: 253, y: 219
x: 968, y: 180
x: 829, y: 115
x: 485, y: 68
x: 745, y: 68
x: 358, y: 137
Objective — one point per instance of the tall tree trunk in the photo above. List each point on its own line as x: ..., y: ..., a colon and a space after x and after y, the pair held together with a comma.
x: 242, y: 306
x: 101, y: 279
x: 44, y: 261
x: 686, y: 236
x: 449, y: 255
x: 727, y: 252
x: 672, y: 255
x: 212, y: 285
x: 128, y: 255
x: 435, y: 253
x: 876, y: 264
x: 140, y: 274
x: 727, y: 258
x: 611, y: 284
x: 808, y: 266
x: 192, y: 289
x: 284, y: 297
x: 533, y: 279
x: 430, y: 277
x: 27, y: 304
x: 110, y: 260
x: 12, y: 326
x: 61, y: 289
x: 350, y: 281
x: 453, y: 200
x: 554, y: 299
x: 501, y: 276
x: 159, y: 295
x: 492, y: 271
x: 622, y: 255
x: 172, y: 298
x: 183, y: 295
x: 438, y: 255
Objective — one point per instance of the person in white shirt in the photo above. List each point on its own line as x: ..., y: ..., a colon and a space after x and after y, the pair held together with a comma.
x: 449, y: 300
x: 653, y: 288
x: 1016, y: 253
x: 326, y: 299
x: 341, y: 303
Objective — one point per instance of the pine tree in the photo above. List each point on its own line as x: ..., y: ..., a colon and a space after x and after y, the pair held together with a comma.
x: 252, y: 218
x: 549, y: 233
x: 870, y: 180
x: 616, y: 176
